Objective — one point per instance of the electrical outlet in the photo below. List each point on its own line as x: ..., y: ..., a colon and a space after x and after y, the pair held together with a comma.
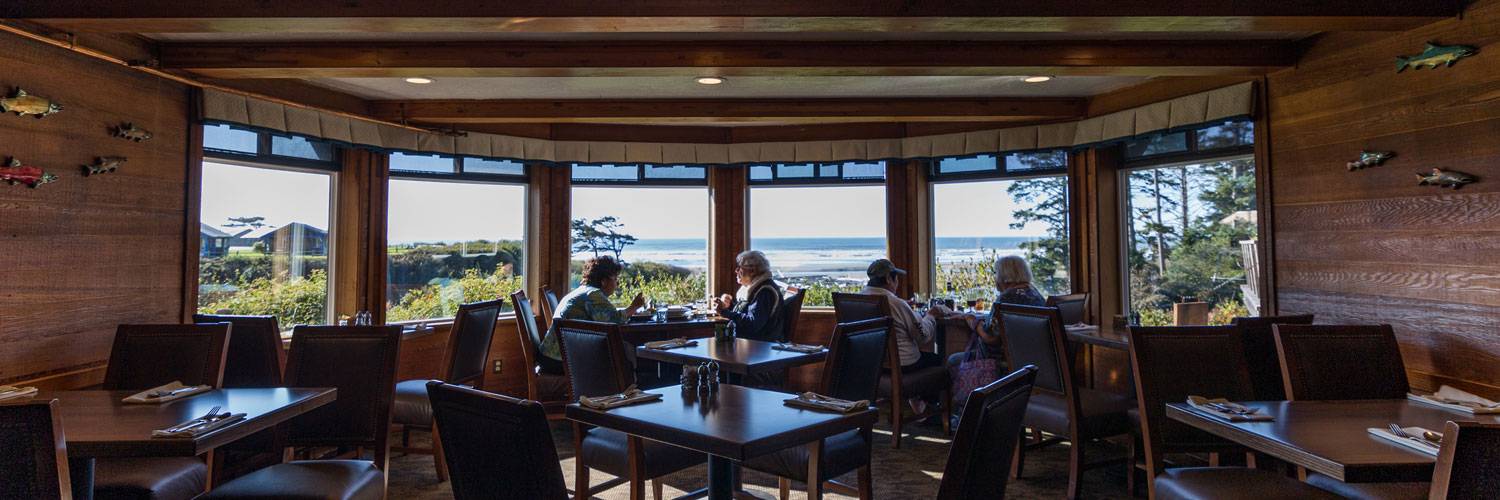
x: 498, y: 364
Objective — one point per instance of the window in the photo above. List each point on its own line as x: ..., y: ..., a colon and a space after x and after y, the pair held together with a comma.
x: 976, y: 222
x: 819, y: 237
x: 233, y: 143
x: 1192, y: 228
x: 661, y: 234
x: 265, y: 242
x: 815, y: 173
x: 986, y: 166
x: 640, y: 174
x: 1225, y: 139
x: 451, y: 243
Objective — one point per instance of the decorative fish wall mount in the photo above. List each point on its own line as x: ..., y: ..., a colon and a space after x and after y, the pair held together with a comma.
x: 103, y: 165
x: 14, y: 172
x: 1444, y: 178
x: 1435, y: 56
x: 129, y: 131
x: 1370, y: 159
x: 22, y: 104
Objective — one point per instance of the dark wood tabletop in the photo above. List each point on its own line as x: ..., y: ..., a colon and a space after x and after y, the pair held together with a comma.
x: 1330, y: 437
x: 733, y: 422
x: 1103, y: 336
x: 741, y: 356
x: 641, y: 331
x: 97, y: 424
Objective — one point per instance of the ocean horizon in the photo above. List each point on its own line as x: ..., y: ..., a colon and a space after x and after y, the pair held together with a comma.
x: 834, y: 257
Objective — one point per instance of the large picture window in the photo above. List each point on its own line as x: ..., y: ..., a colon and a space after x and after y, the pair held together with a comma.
x: 1192, y: 231
x: 653, y: 218
x: 819, y: 236
x: 265, y: 242
x: 977, y: 222
x: 452, y: 242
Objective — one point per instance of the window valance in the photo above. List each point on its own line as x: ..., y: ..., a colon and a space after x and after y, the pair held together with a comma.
x: 1187, y: 111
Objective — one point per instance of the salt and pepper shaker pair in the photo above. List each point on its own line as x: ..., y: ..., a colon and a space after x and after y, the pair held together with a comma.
x: 703, y: 376
x: 361, y: 318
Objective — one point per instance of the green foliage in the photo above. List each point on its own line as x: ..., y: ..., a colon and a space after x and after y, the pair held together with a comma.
x: 669, y: 288
x: 441, y: 299
x: 820, y: 294
x: 1226, y: 311
x: 239, y: 268
x: 1151, y: 316
x: 1048, y: 200
x: 295, y: 301
x: 413, y: 267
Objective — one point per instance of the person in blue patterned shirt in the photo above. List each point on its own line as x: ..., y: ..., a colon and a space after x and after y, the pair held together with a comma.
x: 589, y: 302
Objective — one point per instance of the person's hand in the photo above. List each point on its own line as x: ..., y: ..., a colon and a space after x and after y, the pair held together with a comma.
x: 972, y: 320
x: 638, y: 302
x: 723, y: 302
x: 939, y: 311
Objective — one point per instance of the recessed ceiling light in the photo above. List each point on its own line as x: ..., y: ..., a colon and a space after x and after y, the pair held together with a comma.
x: 709, y: 80
x: 1036, y: 79
x: 419, y: 80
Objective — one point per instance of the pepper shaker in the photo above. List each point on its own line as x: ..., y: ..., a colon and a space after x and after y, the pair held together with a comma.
x: 689, y: 377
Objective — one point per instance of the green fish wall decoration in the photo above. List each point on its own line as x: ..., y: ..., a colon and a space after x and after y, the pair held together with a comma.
x: 1434, y: 56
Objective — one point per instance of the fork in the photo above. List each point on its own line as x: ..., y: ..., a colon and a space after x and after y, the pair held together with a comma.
x: 1401, y: 433
x: 206, y: 418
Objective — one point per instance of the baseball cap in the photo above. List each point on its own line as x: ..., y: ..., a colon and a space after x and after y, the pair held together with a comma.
x: 883, y: 268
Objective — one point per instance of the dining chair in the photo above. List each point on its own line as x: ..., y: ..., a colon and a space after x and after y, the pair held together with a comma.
x: 497, y: 447
x: 549, y: 307
x: 551, y: 390
x: 464, y: 354
x: 1260, y: 352
x: 1468, y: 465
x: 930, y: 381
x: 850, y: 372
x: 1171, y: 363
x: 988, y: 433
x: 594, y: 359
x: 255, y: 359
x: 1345, y: 362
x: 1071, y: 307
x: 147, y: 356
x: 33, y: 452
x: 791, y: 309
x: 1341, y: 362
x: 360, y: 363
x: 255, y: 354
x: 1079, y: 415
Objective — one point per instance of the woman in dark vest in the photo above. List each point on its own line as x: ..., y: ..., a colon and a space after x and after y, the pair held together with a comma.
x: 755, y: 309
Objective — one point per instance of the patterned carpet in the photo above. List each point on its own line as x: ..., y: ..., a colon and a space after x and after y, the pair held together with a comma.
x: 913, y: 472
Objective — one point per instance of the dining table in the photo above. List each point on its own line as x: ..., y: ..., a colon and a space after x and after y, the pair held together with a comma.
x: 642, y: 329
x: 1332, y: 437
x: 737, y: 356
x: 729, y: 423
x: 99, y: 424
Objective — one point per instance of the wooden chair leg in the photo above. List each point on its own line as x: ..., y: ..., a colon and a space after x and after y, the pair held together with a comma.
x: 1019, y: 459
x: 580, y: 470
x: 656, y: 488
x: 866, y: 484
x: 1075, y: 468
x: 947, y: 411
x: 437, y: 455
x: 405, y: 437
x: 785, y: 485
x: 1213, y: 459
x: 814, y: 481
x: 636, y: 451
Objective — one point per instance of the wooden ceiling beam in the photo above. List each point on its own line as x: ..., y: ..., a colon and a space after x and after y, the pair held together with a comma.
x: 731, y: 110
x: 308, y: 60
x: 564, y: 16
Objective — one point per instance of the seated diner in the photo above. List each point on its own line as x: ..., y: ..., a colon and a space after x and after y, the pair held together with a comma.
x: 1030, y: 249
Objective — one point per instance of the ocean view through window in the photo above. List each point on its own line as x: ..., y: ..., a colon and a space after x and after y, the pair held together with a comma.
x: 452, y: 243
x: 265, y: 241
x: 975, y: 223
x: 660, y: 233
x: 822, y: 237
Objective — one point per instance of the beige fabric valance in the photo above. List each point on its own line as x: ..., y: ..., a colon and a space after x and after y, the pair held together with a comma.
x: 1186, y: 111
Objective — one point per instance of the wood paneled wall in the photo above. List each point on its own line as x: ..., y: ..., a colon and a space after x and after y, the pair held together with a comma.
x: 1371, y: 246
x: 83, y: 255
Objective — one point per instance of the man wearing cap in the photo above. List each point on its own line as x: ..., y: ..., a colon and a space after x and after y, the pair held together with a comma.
x: 909, y: 330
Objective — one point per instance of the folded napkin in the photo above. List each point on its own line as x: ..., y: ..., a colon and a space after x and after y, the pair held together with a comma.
x: 1457, y: 400
x: 199, y: 426
x: 663, y: 345
x: 9, y: 392
x: 629, y: 397
x: 802, y: 348
x: 1223, y: 408
x: 1415, y: 441
x: 815, y: 401
x: 166, y: 392
x: 1082, y: 329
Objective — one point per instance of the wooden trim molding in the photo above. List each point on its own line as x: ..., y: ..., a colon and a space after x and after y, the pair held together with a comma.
x: 1265, y: 201
x: 729, y: 225
x: 360, y: 245
x: 1094, y: 228
x: 907, y: 227
x: 549, y: 200
x: 192, y: 209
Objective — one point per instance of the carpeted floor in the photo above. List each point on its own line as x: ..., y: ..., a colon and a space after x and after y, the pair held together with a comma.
x: 912, y: 472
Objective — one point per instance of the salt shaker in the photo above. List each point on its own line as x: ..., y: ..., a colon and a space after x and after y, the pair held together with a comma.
x: 689, y: 377
x: 713, y: 373
x: 704, y: 383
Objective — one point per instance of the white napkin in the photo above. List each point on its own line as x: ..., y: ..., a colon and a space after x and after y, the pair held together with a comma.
x: 1227, y: 410
x: 1415, y: 443
x: 802, y: 348
x: 9, y: 392
x: 1457, y: 400
x: 197, y: 427
x: 166, y: 392
x: 815, y: 401
x: 663, y: 345
x: 629, y: 397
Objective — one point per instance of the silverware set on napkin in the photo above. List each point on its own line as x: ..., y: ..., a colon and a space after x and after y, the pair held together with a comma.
x: 212, y: 417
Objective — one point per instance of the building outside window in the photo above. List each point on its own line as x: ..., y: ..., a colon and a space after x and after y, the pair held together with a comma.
x: 264, y: 227
x: 654, y: 218
x: 454, y: 234
x: 1192, y: 234
x: 820, y: 225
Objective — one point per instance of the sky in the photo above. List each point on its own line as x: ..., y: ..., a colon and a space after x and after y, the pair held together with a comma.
x: 977, y: 209
x: 436, y: 211
x: 281, y: 196
x: 647, y: 213
x: 817, y: 212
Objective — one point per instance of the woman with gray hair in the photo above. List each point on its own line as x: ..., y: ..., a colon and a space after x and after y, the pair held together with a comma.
x: 1013, y: 281
x: 755, y: 308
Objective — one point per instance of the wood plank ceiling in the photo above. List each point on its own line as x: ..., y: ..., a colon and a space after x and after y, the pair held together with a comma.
x: 871, y: 61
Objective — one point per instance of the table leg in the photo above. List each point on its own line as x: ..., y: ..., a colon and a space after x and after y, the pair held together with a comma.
x: 81, y: 474
x: 721, y: 478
